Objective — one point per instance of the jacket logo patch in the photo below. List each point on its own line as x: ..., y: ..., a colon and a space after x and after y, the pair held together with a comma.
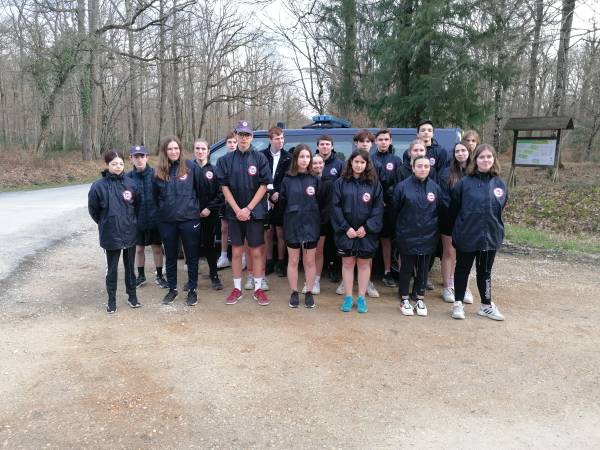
x: 252, y: 170
x: 499, y: 192
x: 310, y: 190
x: 127, y: 195
x: 389, y: 166
x: 183, y: 177
x: 432, y: 162
x: 209, y: 175
x: 333, y: 171
x: 431, y: 196
x: 366, y: 197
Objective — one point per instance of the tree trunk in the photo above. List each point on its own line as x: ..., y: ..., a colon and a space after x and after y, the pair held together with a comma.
x: 348, y: 63
x: 533, y: 61
x: 558, y: 100
x: 162, y: 67
x: 134, y: 103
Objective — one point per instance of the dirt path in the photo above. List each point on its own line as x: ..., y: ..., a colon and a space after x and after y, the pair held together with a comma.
x: 248, y: 377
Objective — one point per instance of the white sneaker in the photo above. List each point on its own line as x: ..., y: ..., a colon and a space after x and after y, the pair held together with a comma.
x: 371, y: 291
x: 244, y: 261
x: 223, y: 262
x: 448, y: 295
x: 249, y: 286
x: 468, y: 297
x: 340, y: 289
x: 316, y: 287
x: 406, y: 308
x: 264, y: 285
x: 458, y: 310
x: 304, y: 289
x: 421, y: 308
x: 491, y: 312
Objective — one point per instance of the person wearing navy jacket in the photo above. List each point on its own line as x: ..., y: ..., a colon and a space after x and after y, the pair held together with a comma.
x: 419, y: 202
x: 244, y: 175
x: 332, y: 170
x: 388, y: 166
x: 147, y: 217
x: 476, y: 206
x: 447, y: 179
x: 112, y: 203
x: 179, y: 189
x: 299, y: 197
x: 209, y: 216
x: 438, y: 155
x: 279, y: 162
x: 356, y: 218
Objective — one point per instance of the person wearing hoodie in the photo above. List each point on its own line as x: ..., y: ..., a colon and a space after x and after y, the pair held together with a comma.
x: 476, y: 206
x: 112, y: 203
x: 147, y: 217
x: 438, y: 155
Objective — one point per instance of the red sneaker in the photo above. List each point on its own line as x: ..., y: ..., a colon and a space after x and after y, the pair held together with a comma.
x: 261, y: 297
x: 234, y: 297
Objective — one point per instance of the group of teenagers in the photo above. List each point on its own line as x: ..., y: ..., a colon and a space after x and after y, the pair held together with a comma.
x: 427, y: 201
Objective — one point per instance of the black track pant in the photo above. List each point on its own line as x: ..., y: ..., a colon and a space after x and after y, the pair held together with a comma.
x: 484, y: 260
x: 209, y: 225
x: 417, y: 266
x: 190, y: 234
x: 112, y: 265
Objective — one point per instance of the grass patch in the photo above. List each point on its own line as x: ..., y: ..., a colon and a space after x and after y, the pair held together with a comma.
x: 550, y: 241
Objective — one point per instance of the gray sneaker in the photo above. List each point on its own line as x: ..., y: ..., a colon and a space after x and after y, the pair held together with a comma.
x: 371, y: 291
x: 249, y: 286
x: 491, y: 312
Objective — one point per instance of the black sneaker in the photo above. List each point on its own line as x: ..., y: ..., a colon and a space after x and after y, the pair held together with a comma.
x: 160, y: 281
x: 111, y: 308
x: 186, y: 286
x: 192, y: 298
x: 133, y: 302
x: 140, y: 281
x: 309, y: 301
x: 269, y: 267
x: 389, y: 281
x: 294, y: 300
x: 334, y: 276
x: 170, y: 297
x: 216, y: 283
x: 281, y: 269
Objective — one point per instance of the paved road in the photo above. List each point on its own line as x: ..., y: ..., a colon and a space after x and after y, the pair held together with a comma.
x: 32, y: 221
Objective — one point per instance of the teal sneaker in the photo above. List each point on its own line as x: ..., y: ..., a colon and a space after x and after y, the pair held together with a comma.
x: 361, y: 305
x: 347, y: 304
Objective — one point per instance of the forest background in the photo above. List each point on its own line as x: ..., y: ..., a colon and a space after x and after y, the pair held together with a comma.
x: 78, y: 77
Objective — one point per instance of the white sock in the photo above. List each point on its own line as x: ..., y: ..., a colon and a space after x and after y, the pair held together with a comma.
x: 257, y: 283
x: 237, y: 283
x: 317, y: 279
x: 223, y: 254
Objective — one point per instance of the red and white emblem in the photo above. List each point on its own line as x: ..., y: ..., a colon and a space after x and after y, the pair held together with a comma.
x: 183, y: 177
x: 209, y: 175
x: 431, y: 196
x: 389, y: 166
x: 127, y: 195
x: 252, y: 170
x: 499, y: 192
x: 310, y: 190
x: 366, y: 197
x: 432, y: 162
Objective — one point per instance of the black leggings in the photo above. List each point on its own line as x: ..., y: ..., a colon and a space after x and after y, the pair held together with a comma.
x: 112, y: 264
x: 417, y: 266
x: 484, y: 260
x: 209, y: 225
x: 189, y: 232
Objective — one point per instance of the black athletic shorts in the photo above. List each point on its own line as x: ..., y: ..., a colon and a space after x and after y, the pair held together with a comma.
x: 355, y: 253
x: 305, y: 245
x: 252, y: 230
x: 148, y: 237
x: 389, y: 224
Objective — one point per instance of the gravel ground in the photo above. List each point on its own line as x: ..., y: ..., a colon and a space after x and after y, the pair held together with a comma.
x: 242, y: 376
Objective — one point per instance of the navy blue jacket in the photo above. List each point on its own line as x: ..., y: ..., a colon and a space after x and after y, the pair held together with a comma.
x: 476, y: 208
x: 147, y: 211
x: 438, y: 158
x: 387, y: 166
x: 212, y: 195
x: 299, y: 199
x: 444, y: 182
x: 419, y: 204
x: 243, y: 173
x: 112, y: 202
x: 333, y: 167
x: 326, y: 200
x: 355, y: 204
x: 180, y: 198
